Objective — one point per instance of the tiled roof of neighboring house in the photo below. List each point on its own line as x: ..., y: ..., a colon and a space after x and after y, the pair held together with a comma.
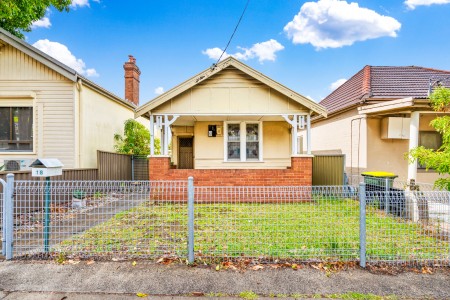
x: 377, y: 82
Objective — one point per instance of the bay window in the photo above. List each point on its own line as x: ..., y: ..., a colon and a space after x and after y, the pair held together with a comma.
x: 243, y: 141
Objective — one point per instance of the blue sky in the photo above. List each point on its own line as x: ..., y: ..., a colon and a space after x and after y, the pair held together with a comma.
x: 305, y: 45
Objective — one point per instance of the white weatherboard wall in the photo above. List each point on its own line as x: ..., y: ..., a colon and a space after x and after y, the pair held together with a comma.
x: 24, y: 79
x: 100, y: 119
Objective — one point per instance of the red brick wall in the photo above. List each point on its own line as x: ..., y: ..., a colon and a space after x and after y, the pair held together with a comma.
x: 300, y: 173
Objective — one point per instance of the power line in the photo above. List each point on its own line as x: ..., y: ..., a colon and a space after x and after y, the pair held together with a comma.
x: 229, y: 41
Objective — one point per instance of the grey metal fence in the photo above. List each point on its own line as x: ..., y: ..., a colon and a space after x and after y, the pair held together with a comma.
x: 272, y: 223
x: 129, y: 219
x: 100, y: 218
x: 408, y: 227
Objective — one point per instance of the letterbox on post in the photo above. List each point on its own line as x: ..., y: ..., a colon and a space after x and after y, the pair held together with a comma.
x: 46, y: 167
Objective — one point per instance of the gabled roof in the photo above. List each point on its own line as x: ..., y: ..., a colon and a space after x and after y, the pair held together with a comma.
x: 230, y: 61
x: 383, y: 83
x: 56, y: 65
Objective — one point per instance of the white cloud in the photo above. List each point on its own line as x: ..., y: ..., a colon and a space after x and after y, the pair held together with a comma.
x: 412, y: 4
x: 214, y: 53
x: 82, y: 3
x: 44, y: 22
x: 159, y: 90
x: 62, y: 53
x: 336, y: 23
x: 337, y: 83
x: 263, y: 51
x: 79, y: 3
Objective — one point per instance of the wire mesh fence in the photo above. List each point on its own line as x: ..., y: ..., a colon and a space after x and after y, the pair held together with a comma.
x: 273, y: 223
x: 149, y: 219
x: 411, y: 227
x: 1, y: 217
x: 380, y: 184
x: 99, y: 218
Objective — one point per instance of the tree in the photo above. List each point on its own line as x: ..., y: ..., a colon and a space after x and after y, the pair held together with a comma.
x: 135, y: 139
x: 439, y: 159
x: 18, y: 15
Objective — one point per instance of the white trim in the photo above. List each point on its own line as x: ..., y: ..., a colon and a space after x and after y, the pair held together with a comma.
x: 290, y: 113
x: 413, y: 143
x: 308, y: 134
x: 243, y: 141
x: 152, y: 135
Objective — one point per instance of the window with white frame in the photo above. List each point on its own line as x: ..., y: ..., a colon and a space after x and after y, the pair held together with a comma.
x: 243, y: 141
x: 16, y: 129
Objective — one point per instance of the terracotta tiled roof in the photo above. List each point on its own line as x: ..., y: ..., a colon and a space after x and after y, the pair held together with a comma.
x: 376, y: 82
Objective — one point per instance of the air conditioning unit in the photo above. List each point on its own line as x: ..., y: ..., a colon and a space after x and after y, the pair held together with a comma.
x: 17, y: 164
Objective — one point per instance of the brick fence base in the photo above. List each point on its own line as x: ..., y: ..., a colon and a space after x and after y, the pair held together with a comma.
x: 299, y: 174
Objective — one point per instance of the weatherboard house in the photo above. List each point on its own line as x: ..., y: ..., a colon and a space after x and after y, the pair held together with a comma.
x: 231, y: 125
x: 49, y: 110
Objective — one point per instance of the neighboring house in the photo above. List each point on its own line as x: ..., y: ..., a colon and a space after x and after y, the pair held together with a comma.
x: 231, y: 125
x: 377, y: 116
x: 48, y: 110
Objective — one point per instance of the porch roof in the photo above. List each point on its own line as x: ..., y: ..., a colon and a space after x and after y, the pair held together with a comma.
x: 198, y: 79
x: 405, y: 105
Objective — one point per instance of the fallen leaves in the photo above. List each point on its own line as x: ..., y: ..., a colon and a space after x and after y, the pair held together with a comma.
x: 141, y: 295
x: 167, y: 260
x: 257, y: 268
x: 90, y: 262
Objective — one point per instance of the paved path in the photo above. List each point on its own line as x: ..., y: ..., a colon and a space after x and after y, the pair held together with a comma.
x: 122, y: 279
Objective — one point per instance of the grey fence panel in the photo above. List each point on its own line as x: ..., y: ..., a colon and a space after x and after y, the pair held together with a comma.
x: 408, y: 227
x: 277, y: 222
x: 102, y: 218
x: 149, y: 219
x: 2, y: 234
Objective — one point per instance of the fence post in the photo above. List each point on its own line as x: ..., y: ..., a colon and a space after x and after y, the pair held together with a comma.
x: 132, y: 167
x: 191, y: 220
x: 3, y: 217
x: 9, y: 216
x: 362, y: 225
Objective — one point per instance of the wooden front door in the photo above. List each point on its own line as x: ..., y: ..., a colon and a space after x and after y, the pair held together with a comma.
x: 186, y: 153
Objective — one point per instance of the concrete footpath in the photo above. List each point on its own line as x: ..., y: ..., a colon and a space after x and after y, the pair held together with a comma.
x: 123, y: 280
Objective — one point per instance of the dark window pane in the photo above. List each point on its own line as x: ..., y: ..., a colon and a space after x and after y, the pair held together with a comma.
x: 16, y: 128
x: 234, y: 150
x: 5, y: 122
x: 430, y: 140
x: 252, y: 150
x: 252, y: 132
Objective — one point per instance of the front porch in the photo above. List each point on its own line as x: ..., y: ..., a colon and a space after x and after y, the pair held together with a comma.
x: 232, y: 125
x: 404, y: 125
x: 232, y: 150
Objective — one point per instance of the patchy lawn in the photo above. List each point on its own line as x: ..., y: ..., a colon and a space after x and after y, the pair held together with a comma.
x: 318, y: 230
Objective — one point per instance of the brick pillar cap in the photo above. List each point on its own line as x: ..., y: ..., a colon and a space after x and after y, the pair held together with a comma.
x: 302, y: 155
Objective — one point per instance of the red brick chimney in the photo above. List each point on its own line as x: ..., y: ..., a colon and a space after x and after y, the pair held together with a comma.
x: 132, y: 74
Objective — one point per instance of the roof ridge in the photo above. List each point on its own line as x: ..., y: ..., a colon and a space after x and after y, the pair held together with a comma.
x: 413, y: 66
